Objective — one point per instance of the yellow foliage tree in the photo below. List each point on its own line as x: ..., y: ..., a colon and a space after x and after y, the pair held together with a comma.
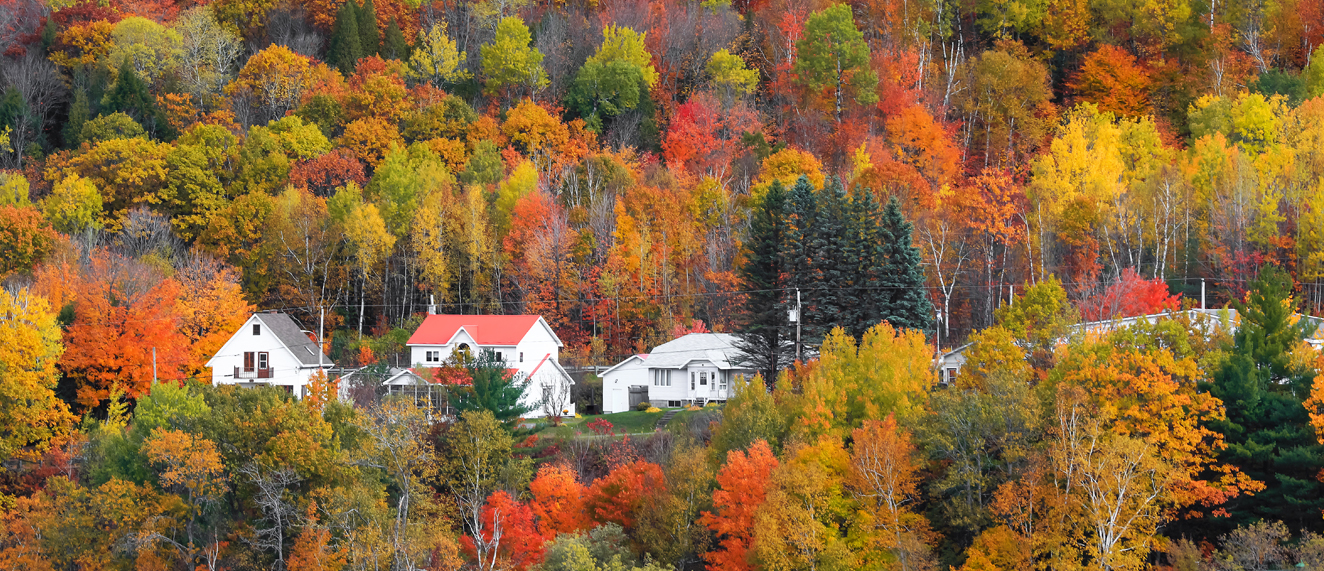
x: 29, y: 348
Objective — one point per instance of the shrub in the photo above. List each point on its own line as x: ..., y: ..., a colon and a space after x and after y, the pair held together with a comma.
x: 643, y: 406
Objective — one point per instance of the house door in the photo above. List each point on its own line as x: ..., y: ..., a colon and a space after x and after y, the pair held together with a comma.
x: 637, y: 395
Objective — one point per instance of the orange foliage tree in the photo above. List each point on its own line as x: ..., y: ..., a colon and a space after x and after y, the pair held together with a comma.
x: 123, y: 312
x: 1111, y: 78
x: 558, y: 501
x: 743, y: 487
x: 620, y: 495
x: 26, y: 238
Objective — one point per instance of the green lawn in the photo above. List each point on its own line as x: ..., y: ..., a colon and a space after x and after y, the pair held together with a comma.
x: 633, y: 422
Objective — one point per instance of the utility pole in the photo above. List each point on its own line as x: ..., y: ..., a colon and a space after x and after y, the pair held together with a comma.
x: 798, y: 319
x: 321, y: 329
x: 1202, y: 305
x: 153, y: 365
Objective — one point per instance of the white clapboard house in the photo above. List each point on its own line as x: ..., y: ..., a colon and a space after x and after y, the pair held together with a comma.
x: 269, y: 349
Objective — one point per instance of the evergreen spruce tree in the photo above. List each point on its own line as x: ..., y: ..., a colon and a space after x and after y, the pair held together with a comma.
x: 828, y: 296
x: 765, y: 336
x: 79, y: 113
x: 131, y: 97
x: 492, y: 387
x: 394, y: 45
x: 904, y: 300
x: 801, y: 216
x: 865, y: 257
x: 1267, y: 430
x: 344, y: 48
x: 370, y: 38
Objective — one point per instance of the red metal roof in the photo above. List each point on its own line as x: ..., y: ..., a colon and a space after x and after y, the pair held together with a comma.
x: 485, y: 329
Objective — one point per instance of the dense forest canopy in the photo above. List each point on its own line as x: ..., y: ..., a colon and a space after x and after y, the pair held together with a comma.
x: 911, y: 175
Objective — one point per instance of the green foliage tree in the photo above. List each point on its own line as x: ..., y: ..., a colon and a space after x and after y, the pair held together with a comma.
x: 79, y: 113
x: 510, y: 62
x: 114, y: 126
x: 765, y: 337
x: 751, y: 415
x: 1267, y: 429
x: 370, y: 37
x: 131, y: 96
x: 74, y: 205
x: 346, y: 44
x: 1313, y: 75
x: 394, y: 45
x: 615, y: 79
x: 488, y: 386
x: 834, y: 57
x: 907, y: 304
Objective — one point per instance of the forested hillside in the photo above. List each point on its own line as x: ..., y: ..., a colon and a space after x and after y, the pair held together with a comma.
x: 598, y: 163
x: 913, y: 175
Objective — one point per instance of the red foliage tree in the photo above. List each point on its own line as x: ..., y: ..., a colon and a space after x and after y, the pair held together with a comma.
x: 1128, y: 296
x: 521, y: 545
x: 324, y: 174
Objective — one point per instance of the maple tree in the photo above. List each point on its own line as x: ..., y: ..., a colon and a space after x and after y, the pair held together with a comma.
x: 557, y: 501
x: 1128, y: 296
x: 1111, y: 79
x: 623, y: 493
x: 124, y: 310
x: 743, y: 481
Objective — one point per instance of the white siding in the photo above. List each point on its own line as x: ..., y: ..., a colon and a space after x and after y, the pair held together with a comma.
x: 616, y: 384
x: 286, y: 371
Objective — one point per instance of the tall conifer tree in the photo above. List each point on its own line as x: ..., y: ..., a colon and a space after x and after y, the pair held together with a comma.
x: 905, y: 301
x: 765, y: 336
x: 801, y: 216
x: 866, y: 257
x: 370, y: 37
x: 1267, y: 430
x: 830, y: 273
x: 344, y: 48
x: 394, y: 45
x: 131, y: 96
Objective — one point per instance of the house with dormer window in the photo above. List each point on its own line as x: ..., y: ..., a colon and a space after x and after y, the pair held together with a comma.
x: 526, y: 345
x: 269, y: 349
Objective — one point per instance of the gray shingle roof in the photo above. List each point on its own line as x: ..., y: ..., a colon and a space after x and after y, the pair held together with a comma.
x: 717, y: 348
x: 289, y: 333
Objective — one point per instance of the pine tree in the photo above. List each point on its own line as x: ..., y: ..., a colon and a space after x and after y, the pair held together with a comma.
x: 394, y: 45
x: 765, y: 336
x: 1267, y: 430
x: 906, y: 304
x: 370, y: 37
x: 344, y: 48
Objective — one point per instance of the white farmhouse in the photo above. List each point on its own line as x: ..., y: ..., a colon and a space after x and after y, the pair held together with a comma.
x: 269, y: 349
x: 693, y: 370
x: 525, y: 343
